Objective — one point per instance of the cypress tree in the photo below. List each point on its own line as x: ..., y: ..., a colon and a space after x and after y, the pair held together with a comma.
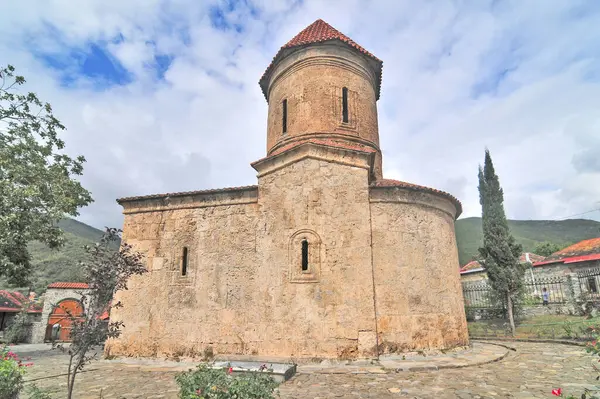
x: 500, y: 253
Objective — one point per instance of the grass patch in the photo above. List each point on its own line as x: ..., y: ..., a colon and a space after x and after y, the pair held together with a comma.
x: 540, y: 327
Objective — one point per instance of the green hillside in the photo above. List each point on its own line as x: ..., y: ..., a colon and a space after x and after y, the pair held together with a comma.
x: 528, y: 233
x: 63, y: 264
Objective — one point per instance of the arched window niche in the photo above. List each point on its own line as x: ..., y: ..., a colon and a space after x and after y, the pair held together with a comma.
x: 304, y: 254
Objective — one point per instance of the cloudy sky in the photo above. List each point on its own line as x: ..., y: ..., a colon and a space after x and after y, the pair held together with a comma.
x: 163, y: 96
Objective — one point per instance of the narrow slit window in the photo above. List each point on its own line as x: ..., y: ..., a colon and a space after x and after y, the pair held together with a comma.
x: 345, y: 105
x: 284, y: 105
x: 304, y: 255
x: 184, y: 261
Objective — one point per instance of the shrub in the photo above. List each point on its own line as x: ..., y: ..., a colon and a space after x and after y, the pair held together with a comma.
x: 12, y: 370
x: 206, y: 383
x: 17, y: 330
x: 37, y: 393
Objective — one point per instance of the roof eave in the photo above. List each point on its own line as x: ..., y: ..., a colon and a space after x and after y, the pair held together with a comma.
x: 285, y: 51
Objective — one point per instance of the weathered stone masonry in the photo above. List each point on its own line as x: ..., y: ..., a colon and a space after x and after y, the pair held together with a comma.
x: 323, y: 258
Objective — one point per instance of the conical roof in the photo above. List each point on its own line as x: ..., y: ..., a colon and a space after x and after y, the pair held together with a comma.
x: 318, y: 32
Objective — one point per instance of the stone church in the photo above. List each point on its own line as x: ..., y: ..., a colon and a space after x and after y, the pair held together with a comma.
x: 323, y: 257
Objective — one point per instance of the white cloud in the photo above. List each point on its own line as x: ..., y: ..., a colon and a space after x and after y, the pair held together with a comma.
x: 517, y: 77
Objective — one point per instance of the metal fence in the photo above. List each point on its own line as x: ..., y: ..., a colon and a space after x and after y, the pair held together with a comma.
x: 479, y: 295
x: 589, y: 283
x: 556, y: 287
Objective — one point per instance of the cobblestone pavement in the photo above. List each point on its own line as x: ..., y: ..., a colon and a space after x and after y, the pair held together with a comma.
x: 531, y: 371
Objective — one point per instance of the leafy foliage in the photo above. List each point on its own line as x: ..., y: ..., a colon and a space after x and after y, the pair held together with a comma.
x: 17, y: 331
x: 37, y: 393
x: 51, y: 265
x: 12, y: 371
x: 37, y: 187
x: 106, y: 271
x: 206, y: 383
x: 547, y: 248
x: 500, y: 252
x: 528, y: 233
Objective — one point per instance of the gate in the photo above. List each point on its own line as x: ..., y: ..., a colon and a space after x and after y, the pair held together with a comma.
x: 60, y: 320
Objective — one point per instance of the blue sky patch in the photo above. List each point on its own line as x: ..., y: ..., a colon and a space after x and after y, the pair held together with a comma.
x: 93, y: 62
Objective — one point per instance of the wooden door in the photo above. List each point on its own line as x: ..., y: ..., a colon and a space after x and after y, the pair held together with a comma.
x: 61, y: 316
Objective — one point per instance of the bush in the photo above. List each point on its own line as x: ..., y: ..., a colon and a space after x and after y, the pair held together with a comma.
x: 12, y: 370
x: 17, y: 330
x: 206, y: 383
x: 37, y: 393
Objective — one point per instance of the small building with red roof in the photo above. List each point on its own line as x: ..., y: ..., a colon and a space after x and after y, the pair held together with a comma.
x: 475, y: 271
x: 11, y: 303
x: 577, y: 258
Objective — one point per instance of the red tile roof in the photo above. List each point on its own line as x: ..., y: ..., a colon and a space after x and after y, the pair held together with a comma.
x: 318, y: 32
x: 8, y: 303
x: 416, y: 187
x: 13, y: 302
x: 185, y: 193
x: 67, y: 285
x: 470, y: 267
x: 582, y: 251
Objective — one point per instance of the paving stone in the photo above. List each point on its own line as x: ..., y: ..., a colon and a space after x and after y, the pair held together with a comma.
x: 530, y: 372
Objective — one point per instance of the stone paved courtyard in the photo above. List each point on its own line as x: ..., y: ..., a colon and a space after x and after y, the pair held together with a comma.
x: 529, y: 372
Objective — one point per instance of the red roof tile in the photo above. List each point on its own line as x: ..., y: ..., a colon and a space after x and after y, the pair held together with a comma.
x: 67, y: 285
x: 321, y: 31
x: 582, y: 251
x: 13, y: 302
x: 318, y: 32
x: 185, y: 193
x: 8, y: 303
x: 416, y: 187
x: 471, y: 266
x: 584, y: 247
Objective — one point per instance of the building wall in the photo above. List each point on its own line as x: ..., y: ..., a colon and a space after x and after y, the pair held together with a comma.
x: 245, y: 293
x: 415, y: 261
x: 331, y: 313
x: 166, y: 313
x: 390, y: 251
x: 473, y: 277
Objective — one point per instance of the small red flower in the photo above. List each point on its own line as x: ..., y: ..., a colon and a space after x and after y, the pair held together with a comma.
x: 557, y: 392
x: 230, y: 370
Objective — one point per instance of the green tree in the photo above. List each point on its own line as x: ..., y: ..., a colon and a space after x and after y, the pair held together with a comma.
x: 500, y: 252
x: 106, y: 271
x: 546, y: 248
x: 37, y: 187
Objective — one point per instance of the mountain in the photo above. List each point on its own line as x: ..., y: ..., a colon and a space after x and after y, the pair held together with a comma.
x: 62, y: 264
x: 529, y: 233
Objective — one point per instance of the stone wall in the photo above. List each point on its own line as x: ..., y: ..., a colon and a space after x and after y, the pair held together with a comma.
x: 389, y: 251
x: 415, y: 261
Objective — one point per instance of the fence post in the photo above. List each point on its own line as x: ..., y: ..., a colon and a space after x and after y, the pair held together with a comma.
x: 574, y: 291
